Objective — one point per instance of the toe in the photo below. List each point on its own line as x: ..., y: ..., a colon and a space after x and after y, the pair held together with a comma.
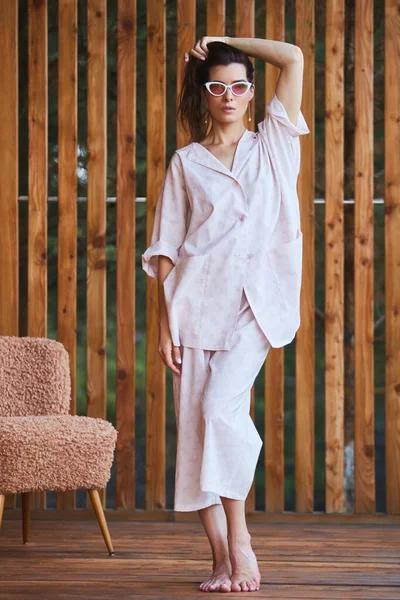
x: 243, y: 586
x: 235, y: 587
x: 225, y: 587
x: 251, y: 585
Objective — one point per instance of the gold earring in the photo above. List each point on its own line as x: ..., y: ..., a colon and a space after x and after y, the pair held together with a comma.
x: 205, y: 114
x: 248, y: 106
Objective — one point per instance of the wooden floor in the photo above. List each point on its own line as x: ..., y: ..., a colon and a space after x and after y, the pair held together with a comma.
x: 68, y: 559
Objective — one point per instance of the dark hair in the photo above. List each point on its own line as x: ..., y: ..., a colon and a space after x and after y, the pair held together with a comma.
x: 196, y: 74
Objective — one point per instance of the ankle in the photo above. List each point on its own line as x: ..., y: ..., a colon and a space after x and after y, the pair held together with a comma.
x: 239, y: 538
x: 221, y: 557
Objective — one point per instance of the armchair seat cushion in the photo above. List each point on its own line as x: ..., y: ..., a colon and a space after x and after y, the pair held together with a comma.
x: 55, y: 453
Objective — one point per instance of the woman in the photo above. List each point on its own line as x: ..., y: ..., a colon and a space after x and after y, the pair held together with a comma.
x: 226, y: 248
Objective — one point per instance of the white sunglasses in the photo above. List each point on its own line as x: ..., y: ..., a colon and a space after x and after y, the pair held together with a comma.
x: 216, y: 88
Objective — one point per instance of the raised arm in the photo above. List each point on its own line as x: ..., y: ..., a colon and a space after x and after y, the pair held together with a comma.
x: 287, y: 57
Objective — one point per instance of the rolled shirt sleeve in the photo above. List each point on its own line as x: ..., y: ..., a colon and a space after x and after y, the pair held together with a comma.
x: 282, y: 134
x: 170, y: 219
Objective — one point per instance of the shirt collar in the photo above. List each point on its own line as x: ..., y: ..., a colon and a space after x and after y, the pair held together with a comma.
x: 199, y: 154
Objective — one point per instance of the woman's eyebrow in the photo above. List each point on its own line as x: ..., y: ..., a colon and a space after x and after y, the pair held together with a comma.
x: 236, y: 80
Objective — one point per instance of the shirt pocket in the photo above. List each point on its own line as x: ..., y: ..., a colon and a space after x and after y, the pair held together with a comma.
x: 286, y: 264
x: 185, y: 286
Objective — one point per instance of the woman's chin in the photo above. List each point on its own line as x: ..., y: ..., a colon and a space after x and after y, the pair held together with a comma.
x: 232, y: 117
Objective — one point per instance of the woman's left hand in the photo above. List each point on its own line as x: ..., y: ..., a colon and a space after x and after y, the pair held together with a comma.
x: 200, y: 50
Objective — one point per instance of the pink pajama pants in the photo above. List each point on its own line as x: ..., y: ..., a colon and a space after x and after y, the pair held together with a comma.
x: 217, y: 443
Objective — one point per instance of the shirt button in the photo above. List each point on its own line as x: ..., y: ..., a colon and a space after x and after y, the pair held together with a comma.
x: 242, y: 217
x: 235, y: 184
x: 250, y: 255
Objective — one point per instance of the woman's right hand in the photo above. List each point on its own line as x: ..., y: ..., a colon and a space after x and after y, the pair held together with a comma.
x: 169, y: 353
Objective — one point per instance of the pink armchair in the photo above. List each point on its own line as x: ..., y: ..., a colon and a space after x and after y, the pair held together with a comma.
x: 42, y: 446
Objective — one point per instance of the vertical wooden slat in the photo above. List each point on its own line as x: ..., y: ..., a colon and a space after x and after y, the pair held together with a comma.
x: 392, y: 253
x: 67, y: 197
x: 96, y: 213
x: 216, y: 17
x: 334, y: 257
x: 363, y: 261
x: 245, y: 28
x: 9, y: 255
x: 185, y: 39
x: 126, y: 220
x: 37, y: 186
x: 305, y: 346
x: 274, y: 365
x: 156, y: 146
x: 244, y: 16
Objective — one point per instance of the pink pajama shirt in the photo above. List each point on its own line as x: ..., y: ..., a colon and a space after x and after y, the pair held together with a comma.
x: 235, y: 241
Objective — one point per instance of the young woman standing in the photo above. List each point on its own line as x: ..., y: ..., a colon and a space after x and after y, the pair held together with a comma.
x: 226, y: 248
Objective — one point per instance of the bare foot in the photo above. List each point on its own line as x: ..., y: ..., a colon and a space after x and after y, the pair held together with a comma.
x: 245, y: 574
x: 220, y: 580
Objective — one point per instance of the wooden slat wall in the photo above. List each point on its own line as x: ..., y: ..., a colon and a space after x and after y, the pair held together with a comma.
x: 274, y: 365
x: 96, y: 213
x: 363, y: 261
x: 126, y: 192
x: 334, y: 256
x: 392, y: 252
x: 155, y: 151
x: 126, y: 228
x: 244, y: 17
x: 245, y: 28
x: 305, y: 346
x: 37, y: 186
x: 67, y: 197
x: 185, y: 39
x: 9, y: 259
x: 216, y: 17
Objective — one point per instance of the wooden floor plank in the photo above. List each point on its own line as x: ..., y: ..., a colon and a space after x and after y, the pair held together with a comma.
x: 68, y: 559
x: 92, y: 590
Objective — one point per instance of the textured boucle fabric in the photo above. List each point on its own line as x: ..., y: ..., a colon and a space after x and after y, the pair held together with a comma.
x: 34, y: 377
x: 42, y: 447
x: 55, y: 453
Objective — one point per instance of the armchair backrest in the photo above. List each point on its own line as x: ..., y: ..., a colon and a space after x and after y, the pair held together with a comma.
x: 34, y: 377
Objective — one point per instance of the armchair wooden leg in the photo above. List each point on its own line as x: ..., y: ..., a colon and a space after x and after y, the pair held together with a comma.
x: 2, y: 502
x: 98, y: 509
x: 26, y: 516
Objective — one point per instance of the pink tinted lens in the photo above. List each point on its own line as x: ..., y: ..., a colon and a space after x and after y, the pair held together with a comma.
x: 216, y: 88
x: 239, y: 88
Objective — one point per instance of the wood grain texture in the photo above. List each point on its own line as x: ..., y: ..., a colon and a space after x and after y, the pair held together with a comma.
x: 126, y: 251
x: 274, y: 365
x: 156, y: 156
x: 9, y: 252
x: 244, y: 27
x: 216, y: 17
x: 363, y: 261
x: 392, y: 253
x: 169, y: 560
x: 185, y: 40
x: 37, y: 180
x: 305, y: 344
x: 67, y: 260
x: 168, y: 515
x: 96, y: 212
x: 334, y: 256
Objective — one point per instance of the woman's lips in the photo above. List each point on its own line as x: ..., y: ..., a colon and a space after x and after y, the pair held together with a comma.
x: 228, y: 110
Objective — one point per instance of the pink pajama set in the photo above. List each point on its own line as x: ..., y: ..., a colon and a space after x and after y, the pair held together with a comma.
x: 235, y: 241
